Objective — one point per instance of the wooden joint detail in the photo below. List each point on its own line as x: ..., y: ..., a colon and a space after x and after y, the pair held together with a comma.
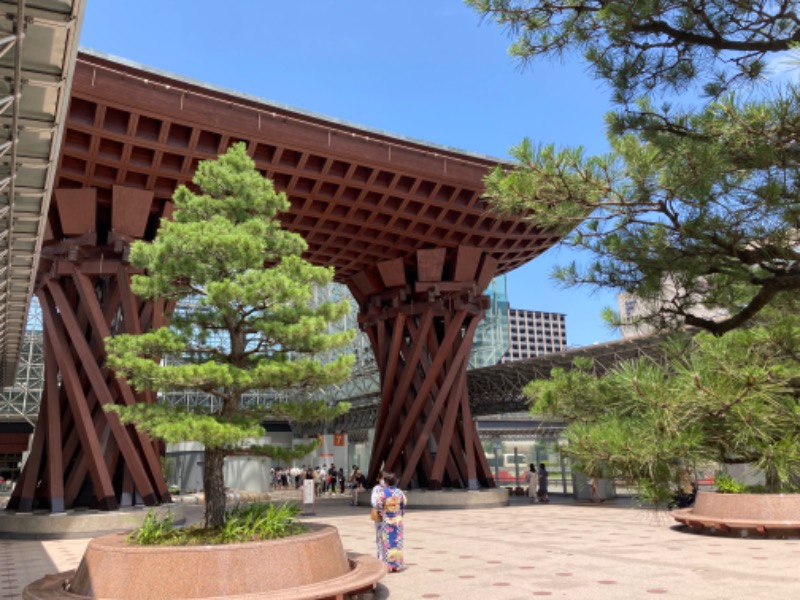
x: 392, y: 272
x: 430, y: 264
x: 130, y: 210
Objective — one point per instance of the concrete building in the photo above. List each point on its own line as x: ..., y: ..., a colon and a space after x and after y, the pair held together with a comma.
x: 534, y: 333
x: 633, y: 310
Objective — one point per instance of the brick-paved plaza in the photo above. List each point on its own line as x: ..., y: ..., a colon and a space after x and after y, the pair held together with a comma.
x: 560, y: 550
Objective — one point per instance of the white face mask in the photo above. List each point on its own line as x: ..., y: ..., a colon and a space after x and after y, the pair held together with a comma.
x: 383, y: 482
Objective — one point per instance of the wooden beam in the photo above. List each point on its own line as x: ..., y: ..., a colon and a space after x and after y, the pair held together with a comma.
x: 430, y: 264
x: 397, y: 395
x: 104, y: 490
x: 467, y: 261
x: 101, y: 390
x: 130, y: 210
x: 441, y: 397
x: 393, y: 272
x: 55, y: 461
x: 448, y: 427
x: 77, y: 210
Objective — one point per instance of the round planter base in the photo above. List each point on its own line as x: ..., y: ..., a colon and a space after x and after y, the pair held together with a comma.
x: 316, y: 560
x: 771, y: 515
x: 44, y: 525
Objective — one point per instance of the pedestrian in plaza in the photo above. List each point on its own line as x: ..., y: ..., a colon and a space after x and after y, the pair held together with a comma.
x: 531, y: 478
x: 332, y: 473
x: 340, y: 478
x: 284, y: 479
x: 320, y: 475
x: 544, y: 495
x: 296, y: 474
x: 354, y: 483
x: 390, y: 502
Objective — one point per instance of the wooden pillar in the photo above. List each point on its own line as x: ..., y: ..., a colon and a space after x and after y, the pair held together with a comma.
x: 84, y: 291
x: 421, y: 318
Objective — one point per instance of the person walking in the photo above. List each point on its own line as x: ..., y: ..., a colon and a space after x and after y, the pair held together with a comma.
x: 531, y: 479
x: 544, y: 495
x: 332, y: 474
x: 354, y: 483
x: 390, y: 502
x: 321, y: 476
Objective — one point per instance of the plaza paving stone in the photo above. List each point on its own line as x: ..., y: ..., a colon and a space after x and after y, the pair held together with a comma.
x: 558, y: 550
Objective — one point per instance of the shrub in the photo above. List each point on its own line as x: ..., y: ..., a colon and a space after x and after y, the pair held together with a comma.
x: 260, y: 522
x: 249, y: 523
x: 728, y: 485
x: 154, y: 531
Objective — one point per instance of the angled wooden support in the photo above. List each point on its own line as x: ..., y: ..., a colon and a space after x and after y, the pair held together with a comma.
x: 55, y: 457
x: 97, y: 380
x: 80, y: 454
x: 421, y: 329
x: 90, y: 442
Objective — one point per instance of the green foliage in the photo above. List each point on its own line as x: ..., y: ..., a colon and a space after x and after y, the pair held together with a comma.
x: 731, y: 399
x: 176, y: 424
x: 260, y: 522
x: 695, y: 211
x: 154, y: 530
x: 728, y: 485
x: 690, y: 224
x: 247, y: 321
x: 253, y: 522
x: 284, y: 455
x: 644, y: 46
x: 309, y: 411
x: 251, y: 325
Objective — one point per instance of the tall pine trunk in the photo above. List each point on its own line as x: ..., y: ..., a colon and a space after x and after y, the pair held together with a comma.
x: 214, y: 486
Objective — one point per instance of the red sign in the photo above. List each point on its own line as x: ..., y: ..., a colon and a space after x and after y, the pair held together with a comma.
x: 338, y: 439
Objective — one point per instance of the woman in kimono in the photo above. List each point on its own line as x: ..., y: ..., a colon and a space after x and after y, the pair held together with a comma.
x: 390, y: 502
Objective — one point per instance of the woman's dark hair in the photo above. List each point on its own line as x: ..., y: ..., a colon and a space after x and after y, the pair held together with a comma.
x: 390, y: 478
x: 532, y: 467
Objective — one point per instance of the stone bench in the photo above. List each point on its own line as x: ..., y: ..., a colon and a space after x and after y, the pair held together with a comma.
x: 777, y: 514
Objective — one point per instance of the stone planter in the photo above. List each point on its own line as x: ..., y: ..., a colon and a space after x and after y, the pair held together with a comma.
x: 310, y: 565
x: 767, y: 514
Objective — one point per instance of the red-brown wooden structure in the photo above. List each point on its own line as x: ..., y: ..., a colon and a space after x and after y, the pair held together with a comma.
x: 401, y: 221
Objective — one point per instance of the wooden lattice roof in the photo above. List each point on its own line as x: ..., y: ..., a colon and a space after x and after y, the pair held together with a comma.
x: 358, y: 196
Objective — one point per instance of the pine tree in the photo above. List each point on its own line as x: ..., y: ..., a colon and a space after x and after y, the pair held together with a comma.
x: 712, y: 400
x: 696, y: 209
x: 249, y: 324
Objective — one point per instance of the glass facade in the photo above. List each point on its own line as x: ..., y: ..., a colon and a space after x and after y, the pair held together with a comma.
x: 509, y: 459
x: 492, y: 338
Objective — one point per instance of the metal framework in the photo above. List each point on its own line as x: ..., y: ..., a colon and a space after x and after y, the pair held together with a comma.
x: 499, y: 388
x: 38, y: 43
x: 79, y: 450
x: 20, y: 401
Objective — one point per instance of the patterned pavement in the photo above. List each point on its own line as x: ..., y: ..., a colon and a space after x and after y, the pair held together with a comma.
x: 560, y: 550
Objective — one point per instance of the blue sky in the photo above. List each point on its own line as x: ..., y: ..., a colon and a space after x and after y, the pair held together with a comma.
x: 425, y: 69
